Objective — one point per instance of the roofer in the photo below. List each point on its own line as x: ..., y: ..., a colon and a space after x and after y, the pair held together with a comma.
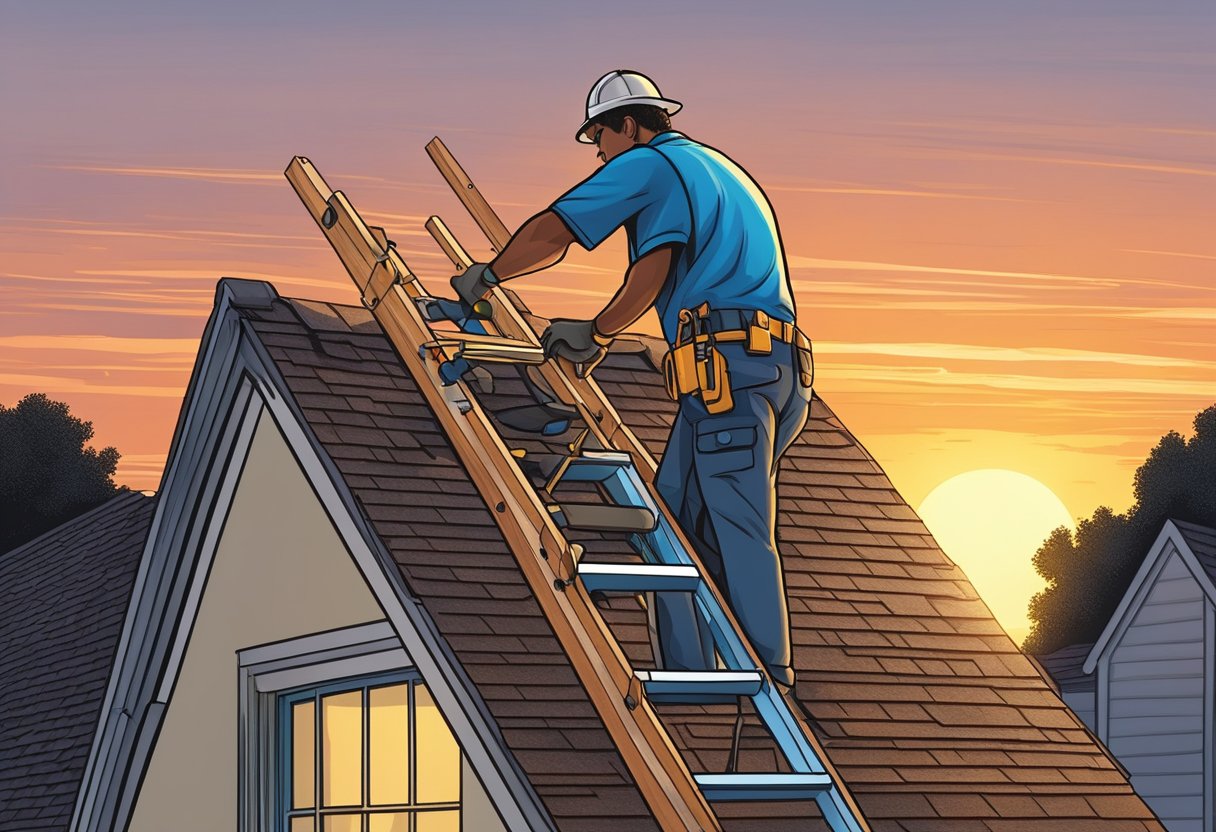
x: 704, y: 250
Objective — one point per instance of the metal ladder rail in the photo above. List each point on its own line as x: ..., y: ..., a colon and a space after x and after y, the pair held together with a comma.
x: 364, y: 251
x: 666, y: 546
x: 546, y: 559
x: 625, y: 487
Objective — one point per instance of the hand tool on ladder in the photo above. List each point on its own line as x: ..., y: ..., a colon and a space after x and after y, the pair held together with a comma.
x: 614, y: 459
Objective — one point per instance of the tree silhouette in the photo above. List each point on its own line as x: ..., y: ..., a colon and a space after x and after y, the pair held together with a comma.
x: 47, y: 475
x: 1088, y: 571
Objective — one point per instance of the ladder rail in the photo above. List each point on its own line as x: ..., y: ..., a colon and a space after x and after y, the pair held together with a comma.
x: 671, y: 532
x: 389, y: 289
x: 791, y: 732
x: 677, y: 797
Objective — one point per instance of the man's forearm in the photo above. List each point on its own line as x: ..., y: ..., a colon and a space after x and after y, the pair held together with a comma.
x: 641, y: 288
x: 538, y: 244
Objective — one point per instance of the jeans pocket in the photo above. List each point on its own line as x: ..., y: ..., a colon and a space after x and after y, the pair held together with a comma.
x: 724, y: 450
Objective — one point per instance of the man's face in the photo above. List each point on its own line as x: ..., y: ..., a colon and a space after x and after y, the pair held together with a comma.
x: 610, y: 143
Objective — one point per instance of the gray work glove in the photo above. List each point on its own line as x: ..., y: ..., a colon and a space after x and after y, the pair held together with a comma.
x: 472, y: 283
x: 575, y: 341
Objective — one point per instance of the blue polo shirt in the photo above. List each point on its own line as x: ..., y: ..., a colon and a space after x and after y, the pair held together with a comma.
x: 674, y: 190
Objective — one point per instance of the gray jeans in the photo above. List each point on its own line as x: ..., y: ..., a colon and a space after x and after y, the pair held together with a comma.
x: 719, y: 478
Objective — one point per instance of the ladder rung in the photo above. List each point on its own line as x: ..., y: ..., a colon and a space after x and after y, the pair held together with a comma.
x: 604, y: 518
x: 638, y: 577
x: 763, y: 786
x: 699, y: 686
x: 595, y: 466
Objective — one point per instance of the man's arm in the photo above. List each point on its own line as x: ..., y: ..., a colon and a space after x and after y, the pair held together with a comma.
x: 642, y: 285
x: 540, y: 243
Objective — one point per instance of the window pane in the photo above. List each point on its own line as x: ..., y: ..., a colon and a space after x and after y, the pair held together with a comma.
x: 395, y: 822
x: 340, y: 823
x: 303, y: 755
x: 390, y: 744
x: 439, y: 821
x: 304, y: 824
x: 438, y: 753
x: 342, y: 750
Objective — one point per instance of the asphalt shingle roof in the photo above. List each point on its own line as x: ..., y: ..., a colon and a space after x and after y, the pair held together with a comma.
x: 63, y: 597
x: 933, y: 717
x: 1065, y: 666
x: 1202, y: 540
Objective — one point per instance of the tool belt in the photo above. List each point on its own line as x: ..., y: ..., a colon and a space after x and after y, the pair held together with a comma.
x: 696, y: 366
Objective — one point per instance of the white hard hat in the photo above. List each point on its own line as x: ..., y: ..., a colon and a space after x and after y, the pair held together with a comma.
x: 620, y: 88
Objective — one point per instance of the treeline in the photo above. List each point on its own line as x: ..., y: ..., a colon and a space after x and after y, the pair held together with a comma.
x: 47, y: 475
x: 1088, y: 571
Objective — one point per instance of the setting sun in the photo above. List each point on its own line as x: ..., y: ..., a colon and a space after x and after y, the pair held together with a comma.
x: 991, y: 522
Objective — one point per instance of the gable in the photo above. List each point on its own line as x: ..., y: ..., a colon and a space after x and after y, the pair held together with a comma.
x: 1171, y: 548
x: 233, y: 389
x: 279, y: 571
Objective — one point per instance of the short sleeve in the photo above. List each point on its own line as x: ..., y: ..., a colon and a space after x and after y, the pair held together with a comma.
x: 640, y: 186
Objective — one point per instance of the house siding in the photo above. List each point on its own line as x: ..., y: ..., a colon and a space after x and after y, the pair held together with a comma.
x: 280, y: 571
x: 1082, y: 704
x: 1157, y: 695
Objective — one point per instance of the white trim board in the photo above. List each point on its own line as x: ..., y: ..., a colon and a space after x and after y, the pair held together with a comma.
x: 233, y: 381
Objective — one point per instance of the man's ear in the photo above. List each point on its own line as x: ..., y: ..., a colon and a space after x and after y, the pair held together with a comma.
x: 630, y: 129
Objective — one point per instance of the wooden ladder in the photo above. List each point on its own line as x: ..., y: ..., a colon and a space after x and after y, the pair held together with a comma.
x: 609, y: 455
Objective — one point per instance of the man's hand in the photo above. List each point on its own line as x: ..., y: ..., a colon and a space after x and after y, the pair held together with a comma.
x: 576, y: 341
x: 472, y: 284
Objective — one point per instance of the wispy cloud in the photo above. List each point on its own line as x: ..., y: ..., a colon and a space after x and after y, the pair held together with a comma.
x: 102, y: 343
x: 972, y: 352
x: 102, y: 386
x: 895, y: 192
x: 1170, y: 253
x: 859, y: 377
x: 800, y: 261
x: 1091, y: 163
x: 226, y: 176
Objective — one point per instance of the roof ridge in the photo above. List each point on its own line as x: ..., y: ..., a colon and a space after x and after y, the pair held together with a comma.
x: 123, y: 492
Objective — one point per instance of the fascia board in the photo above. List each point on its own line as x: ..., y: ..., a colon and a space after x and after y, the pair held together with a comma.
x: 209, y: 425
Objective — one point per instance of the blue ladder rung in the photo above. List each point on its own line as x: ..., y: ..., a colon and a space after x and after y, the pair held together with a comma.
x: 763, y: 786
x: 638, y: 577
x: 699, y: 686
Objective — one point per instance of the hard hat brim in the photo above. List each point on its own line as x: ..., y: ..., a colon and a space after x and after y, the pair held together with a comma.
x: 671, y: 107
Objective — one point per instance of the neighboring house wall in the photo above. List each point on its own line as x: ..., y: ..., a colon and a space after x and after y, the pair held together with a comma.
x: 280, y: 571
x: 1082, y: 704
x: 1158, y: 685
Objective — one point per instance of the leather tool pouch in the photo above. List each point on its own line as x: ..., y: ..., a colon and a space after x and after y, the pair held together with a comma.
x: 715, y: 382
x: 680, y: 371
x: 759, y: 337
x: 806, y: 360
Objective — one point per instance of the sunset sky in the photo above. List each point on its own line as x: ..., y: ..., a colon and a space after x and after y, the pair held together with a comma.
x: 998, y: 217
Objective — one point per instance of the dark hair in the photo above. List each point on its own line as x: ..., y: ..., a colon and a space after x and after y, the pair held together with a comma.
x: 646, y: 115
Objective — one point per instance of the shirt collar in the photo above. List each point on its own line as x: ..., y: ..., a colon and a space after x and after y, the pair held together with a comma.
x: 665, y: 136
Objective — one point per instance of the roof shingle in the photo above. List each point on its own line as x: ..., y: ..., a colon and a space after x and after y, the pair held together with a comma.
x: 929, y: 711
x: 63, y: 597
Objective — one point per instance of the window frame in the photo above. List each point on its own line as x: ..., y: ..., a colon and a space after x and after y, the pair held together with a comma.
x: 266, y: 671
x: 286, y: 699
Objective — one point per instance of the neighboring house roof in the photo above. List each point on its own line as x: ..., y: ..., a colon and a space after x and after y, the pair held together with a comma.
x: 1201, y: 540
x: 1195, y: 544
x: 63, y: 598
x: 928, y: 710
x: 1066, y: 668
